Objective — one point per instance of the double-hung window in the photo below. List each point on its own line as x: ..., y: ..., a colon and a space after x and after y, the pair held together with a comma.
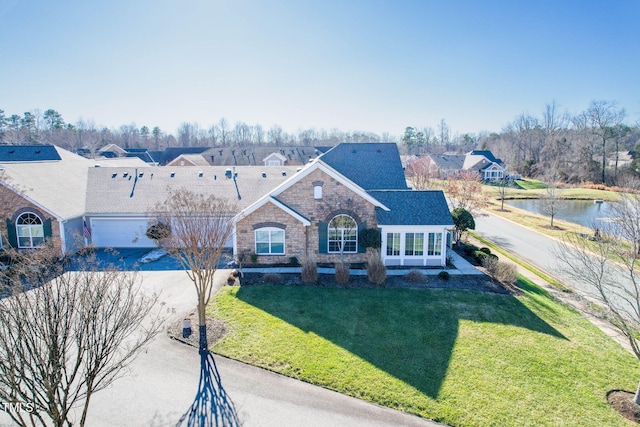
x: 269, y: 241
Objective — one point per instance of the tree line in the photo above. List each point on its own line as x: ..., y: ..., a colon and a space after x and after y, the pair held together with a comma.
x: 49, y: 127
x: 582, y: 147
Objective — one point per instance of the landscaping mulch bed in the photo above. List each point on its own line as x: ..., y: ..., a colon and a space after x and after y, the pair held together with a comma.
x: 216, y: 330
x: 481, y: 283
x: 622, y: 401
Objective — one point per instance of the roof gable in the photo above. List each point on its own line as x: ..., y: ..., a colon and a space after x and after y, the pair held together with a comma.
x: 372, y: 166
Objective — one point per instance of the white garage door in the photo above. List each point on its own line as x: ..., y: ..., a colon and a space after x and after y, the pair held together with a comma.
x: 120, y: 233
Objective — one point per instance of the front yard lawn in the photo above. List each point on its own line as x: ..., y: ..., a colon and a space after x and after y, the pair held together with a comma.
x: 463, y: 358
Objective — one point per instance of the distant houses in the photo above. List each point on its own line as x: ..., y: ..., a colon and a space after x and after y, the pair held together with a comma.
x: 214, y: 156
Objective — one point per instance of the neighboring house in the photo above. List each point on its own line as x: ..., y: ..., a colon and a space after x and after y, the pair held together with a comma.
x: 188, y: 160
x: 42, y: 190
x: 622, y: 158
x: 275, y: 159
x: 120, y: 201
x: 482, y: 162
x: 489, y: 167
x: 111, y: 151
x: 447, y: 164
x: 320, y: 211
x: 261, y: 155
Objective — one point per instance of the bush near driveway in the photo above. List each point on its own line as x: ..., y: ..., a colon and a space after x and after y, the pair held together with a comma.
x: 464, y: 358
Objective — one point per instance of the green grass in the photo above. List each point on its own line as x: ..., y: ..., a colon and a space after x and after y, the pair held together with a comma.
x: 529, y: 184
x: 460, y: 357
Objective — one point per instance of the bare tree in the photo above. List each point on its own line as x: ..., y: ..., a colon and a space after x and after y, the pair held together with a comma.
x: 502, y: 185
x: 195, y: 228
x: 551, y: 202
x: 614, y: 284
x: 603, y: 117
x: 422, y: 173
x: 65, y: 339
x: 465, y: 191
x: 199, y: 228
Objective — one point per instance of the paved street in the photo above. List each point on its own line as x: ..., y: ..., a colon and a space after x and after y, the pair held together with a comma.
x: 529, y: 245
x: 162, y: 382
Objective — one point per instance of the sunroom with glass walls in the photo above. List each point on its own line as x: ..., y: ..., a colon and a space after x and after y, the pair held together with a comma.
x: 423, y: 246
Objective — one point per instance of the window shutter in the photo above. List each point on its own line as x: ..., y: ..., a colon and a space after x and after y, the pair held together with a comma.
x: 47, y: 228
x: 361, y: 227
x: 322, y: 237
x: 11, y: 234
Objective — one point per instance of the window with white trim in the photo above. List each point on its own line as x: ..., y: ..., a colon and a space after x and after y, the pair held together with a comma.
x: 29, y: 230
x: 434, y: 246
x: 273, y: 163
x: 414, y: 244
x: 343, y: 235
x: 393, y: 244
x: 269, y: 241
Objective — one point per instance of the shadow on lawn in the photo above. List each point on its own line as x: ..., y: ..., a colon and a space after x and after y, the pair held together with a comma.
x: 409, y: 334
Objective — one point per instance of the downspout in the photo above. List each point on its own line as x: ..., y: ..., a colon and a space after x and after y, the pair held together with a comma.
x: 63, y: 240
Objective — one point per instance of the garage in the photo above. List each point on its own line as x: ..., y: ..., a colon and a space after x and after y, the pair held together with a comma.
x: 120, y: 233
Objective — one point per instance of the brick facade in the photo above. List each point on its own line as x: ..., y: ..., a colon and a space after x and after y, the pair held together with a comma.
x: 301, y: 241
x: 13, y: 205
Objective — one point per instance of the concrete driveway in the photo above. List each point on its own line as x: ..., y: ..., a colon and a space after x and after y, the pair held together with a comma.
x: 162, y: 382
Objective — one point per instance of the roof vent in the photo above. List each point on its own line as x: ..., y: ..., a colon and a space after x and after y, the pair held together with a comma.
x: 200, y: 174
x: 264, y: 174
x: 378, y: 151
x: 173, y: 174
x: 215, y: 177
x: 353, y: 151
x: 141, y: 174
x: 284, y: 173
x: 124, y: 175
x: 298, y: 169
x: 227, y: 173
x: 113, y: 175
x: 97, y: 165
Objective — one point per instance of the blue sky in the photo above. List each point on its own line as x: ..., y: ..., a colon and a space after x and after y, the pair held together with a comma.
x: 371, y: 65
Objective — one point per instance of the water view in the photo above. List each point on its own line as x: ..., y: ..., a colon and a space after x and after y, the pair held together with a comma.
x: 583, y: 212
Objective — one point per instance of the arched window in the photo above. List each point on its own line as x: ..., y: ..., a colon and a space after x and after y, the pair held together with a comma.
x: 30, y: 230
x: 343, y: 235
x: 269, y: 241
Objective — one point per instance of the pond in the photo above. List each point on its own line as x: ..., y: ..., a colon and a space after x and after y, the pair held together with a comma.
x: 583, y: 212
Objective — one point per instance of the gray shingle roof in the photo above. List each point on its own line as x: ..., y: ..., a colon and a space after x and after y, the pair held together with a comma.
x: 372, y: 166
x: 255, y: 155
x: 109, y: 191
x: 413, y: 207
x: 59, y: 186
x: 448, y: 161
x: 488, y: 154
